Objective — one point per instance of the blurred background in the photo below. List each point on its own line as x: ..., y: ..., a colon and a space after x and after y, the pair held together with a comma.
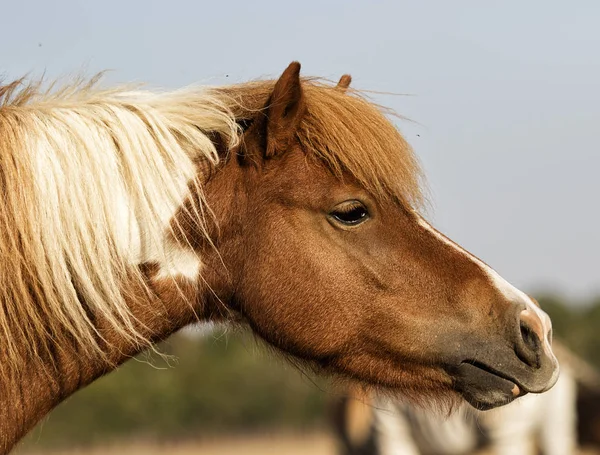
x: 503, y: 100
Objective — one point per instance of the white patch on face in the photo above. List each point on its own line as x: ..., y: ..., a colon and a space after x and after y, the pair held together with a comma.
x: 506, y: 289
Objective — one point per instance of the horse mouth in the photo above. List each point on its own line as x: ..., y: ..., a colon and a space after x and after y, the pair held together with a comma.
x: 484, y: 387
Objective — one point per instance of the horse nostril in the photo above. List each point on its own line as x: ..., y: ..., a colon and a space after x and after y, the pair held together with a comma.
x: 529, y: 347
x: 529, y: 337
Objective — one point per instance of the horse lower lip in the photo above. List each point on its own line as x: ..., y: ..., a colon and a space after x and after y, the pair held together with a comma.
x: 517, y: 389
x: 483, y: 387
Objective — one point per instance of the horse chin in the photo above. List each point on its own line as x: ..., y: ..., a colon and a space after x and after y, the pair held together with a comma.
x: 484, y: 388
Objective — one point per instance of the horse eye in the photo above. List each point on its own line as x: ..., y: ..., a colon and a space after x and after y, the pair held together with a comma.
x: 350, y: 213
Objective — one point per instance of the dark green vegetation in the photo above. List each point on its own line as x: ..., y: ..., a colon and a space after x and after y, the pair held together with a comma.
x: 229, y: 383
x: 578, y: 327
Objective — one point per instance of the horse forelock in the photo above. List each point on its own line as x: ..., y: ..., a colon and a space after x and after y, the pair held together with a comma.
x: 349, y: 132
x: 90, y: 180
x: 354, y: 135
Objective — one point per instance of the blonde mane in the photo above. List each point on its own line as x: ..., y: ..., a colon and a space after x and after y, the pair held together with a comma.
x: 85, y: 171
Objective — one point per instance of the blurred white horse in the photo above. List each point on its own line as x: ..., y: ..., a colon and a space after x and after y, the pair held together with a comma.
x: 545, y: 423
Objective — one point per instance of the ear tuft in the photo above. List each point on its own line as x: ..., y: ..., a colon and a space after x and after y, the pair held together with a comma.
x: 344, y: 82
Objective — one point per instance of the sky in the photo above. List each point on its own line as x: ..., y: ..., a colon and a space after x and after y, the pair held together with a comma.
x: 503, y: 97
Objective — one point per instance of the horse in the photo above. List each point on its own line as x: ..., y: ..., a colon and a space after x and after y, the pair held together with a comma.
x: 549, y: 424
x: 292, y: 206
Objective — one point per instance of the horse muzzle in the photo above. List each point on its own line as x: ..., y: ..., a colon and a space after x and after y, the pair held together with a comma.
x: 492, y: 373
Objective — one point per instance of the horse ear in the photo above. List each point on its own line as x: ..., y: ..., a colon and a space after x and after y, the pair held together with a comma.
x: 344, y: 82
x: 284, y: 110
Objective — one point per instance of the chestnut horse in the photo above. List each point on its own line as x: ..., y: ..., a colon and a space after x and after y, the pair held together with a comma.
x: 288, y: 205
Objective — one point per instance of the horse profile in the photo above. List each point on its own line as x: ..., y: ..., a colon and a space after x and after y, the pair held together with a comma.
x: 291, y: 206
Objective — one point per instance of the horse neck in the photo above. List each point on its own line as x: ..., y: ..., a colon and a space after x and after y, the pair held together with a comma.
x: 42, y: 383
x: 24, y: 400
x: 118, y: 218
x: 169, y: 298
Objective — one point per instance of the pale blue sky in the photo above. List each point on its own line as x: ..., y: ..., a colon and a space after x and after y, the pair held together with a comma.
x: 507, y: 96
